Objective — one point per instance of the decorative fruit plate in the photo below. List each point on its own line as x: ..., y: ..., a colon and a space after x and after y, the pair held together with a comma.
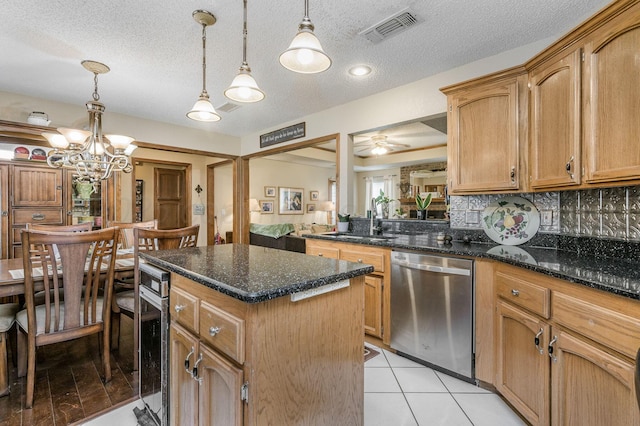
x: 511, y: 220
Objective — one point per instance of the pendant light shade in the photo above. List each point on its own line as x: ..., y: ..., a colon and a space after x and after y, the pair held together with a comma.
x: 244, y: 87
x: 203, y: 110
x: 305, y: 54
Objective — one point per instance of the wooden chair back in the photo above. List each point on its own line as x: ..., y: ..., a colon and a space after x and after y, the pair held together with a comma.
x: 82, y: 258
x: 80, y: 227
x: 166, y: 239
x: 126, y: 239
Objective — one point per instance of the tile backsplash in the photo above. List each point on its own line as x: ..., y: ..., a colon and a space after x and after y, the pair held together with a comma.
x: 610, y: 213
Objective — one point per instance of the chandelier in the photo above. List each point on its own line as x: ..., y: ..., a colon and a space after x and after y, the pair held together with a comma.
x: 93, y: 156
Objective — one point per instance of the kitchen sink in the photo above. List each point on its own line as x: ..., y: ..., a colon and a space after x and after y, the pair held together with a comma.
x: 361, y: 237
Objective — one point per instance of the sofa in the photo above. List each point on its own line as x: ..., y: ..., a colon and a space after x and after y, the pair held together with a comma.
x: 284, y: 236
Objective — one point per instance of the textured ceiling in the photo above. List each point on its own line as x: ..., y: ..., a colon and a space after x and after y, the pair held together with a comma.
x: 154, y: 50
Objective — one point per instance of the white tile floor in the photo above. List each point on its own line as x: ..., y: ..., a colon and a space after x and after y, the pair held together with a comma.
x: 400, y: 392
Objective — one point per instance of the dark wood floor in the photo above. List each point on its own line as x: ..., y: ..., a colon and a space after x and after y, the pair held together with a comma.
x: 69, y: 387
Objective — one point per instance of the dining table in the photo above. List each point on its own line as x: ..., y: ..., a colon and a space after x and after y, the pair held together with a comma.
x: 12, y: 281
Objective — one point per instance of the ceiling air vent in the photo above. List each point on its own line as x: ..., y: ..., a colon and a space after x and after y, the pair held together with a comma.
x: 227, y: 107
x: 391, y: 26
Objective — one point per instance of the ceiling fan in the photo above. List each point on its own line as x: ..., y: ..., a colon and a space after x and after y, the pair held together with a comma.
x: 378, y: 145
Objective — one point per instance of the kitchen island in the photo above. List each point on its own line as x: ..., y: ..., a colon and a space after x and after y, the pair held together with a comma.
x: 264, y: 336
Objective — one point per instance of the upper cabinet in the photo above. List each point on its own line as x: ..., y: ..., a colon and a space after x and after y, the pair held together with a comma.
x: 575, y: 127
x: 485, y: 123
x: 554, y: 147
x: 611, y: 104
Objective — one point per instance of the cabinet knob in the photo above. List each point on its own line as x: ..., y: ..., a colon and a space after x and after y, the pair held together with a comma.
x: 359, y: 260
x: 213, y: 331
x: 515, y: 292
x: 5, y: 213
x: 179, y: 308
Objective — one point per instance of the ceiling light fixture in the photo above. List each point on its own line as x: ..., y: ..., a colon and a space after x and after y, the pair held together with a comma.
x: 360, y: 70
x: 305, y: 54
x: 91, y: 156
x: 203, y: 110
x: 244, y: 87
x: 379, y: 150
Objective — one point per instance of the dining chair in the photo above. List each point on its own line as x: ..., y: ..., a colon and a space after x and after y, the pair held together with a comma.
x: 123, y: 282
x: 80, y: 227
x: 86, y: 260
x: 7, y: 319
x: 127, y: 302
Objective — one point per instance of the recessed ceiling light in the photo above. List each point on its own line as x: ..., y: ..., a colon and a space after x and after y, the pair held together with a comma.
x: 360, y: 70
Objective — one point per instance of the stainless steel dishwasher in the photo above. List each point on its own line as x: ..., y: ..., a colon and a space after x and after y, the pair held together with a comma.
x: 432, y: 311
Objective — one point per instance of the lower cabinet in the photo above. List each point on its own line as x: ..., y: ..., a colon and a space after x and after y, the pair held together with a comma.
x: 204, y: 385
x: 564, y: 353
x: 377, y: 284
x: 277, y: 362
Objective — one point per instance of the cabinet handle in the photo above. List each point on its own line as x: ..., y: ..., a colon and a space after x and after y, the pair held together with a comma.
x: 194, y: 372
x: 213, y: 331
x: 5, y: 213
x: 359, y: 260
x: 515, y: 292
x: 537, y: 341
x: 186, y: 361
x: 320, y: 254
x: 568, y: 166
x: 37, y: 216
x: 512, y: 175
x: 179, y: 308
x: 550, y: 348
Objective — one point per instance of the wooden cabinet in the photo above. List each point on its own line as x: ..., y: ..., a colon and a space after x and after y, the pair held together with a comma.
x: 486, y: 118
x: 274, y: 362
x: 4, y: 211
x: 564, y: 352
x: 377, y: 285
x: 610, y: 105
x: 36, y: 197
x: 555, y: 139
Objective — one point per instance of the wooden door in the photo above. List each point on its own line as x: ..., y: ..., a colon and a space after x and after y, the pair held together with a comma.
x: 170, y: 195
x: 522, y: 370
x: 183, y: 349
x: 37, y: 187
x: 483, y: 136
x: 373, y: 305
x: 612, y: 100
x: 220, y: 401
x: 590, y: 386
x: 555, y: 123
x: 4, y: 211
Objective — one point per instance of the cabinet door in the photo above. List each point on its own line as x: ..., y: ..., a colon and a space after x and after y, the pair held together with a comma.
x: 220, y: 402
x: 522, y: 370
x: 590, y: 386
x: 555, y: 123
x: 483, y: 138
x: 4, y: 211
x: 37, y: 187
x: 373, y: 305
x: 612, y: 100
x: 183, y: 388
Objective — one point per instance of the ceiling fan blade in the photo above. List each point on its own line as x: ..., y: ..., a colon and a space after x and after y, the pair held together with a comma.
x: 367, y: 142
x: 364, y: 149
x: 398, y: 144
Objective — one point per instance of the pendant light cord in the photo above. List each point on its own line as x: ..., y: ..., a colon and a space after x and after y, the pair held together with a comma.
x: 204, y: 58
x: 244, y: 35
x: 96, y: 96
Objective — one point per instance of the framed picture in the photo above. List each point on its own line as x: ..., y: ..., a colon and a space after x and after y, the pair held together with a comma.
x: 311, y: 208
x: 313, y: 195
x: 290, y: 200
x: 269, y: 191
x: 266, y: 206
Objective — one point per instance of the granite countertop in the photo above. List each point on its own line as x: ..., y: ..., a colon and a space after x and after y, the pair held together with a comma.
x: 613, y: 275
x: 254, y: 274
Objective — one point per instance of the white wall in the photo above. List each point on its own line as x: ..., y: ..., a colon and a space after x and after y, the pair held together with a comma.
x: 263, y: 172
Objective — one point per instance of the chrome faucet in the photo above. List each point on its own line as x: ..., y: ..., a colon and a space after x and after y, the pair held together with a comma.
x: 373, y: 213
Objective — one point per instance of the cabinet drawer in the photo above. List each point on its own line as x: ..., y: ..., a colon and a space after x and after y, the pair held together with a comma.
x: 48, y: 216
x: 613, y: 329
x: 329, y: 252
x: 184, y: 308
x: 222, y: 331
x: 375, y: 259
x: 523, y: 293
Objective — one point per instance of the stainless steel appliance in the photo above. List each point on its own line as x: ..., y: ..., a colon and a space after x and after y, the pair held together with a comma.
x: 432, y: 311
x: 154, y: 341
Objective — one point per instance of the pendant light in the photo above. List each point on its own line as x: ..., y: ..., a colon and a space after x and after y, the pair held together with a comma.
x: 305, y: 54
x: 203, y: 110
x: 244, y: 87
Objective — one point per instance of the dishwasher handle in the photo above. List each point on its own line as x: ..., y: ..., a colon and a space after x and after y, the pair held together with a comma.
x: 433, y: 268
